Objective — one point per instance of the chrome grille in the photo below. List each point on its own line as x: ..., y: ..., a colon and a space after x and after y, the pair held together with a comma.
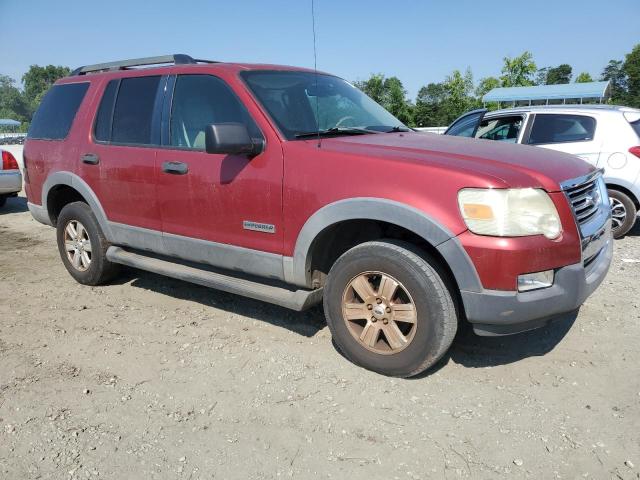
x: 585, y: 199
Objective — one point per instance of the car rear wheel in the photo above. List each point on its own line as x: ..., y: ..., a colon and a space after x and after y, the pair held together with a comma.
x: 388, y: 308
x: 82, y: 245
x: 623, y: 213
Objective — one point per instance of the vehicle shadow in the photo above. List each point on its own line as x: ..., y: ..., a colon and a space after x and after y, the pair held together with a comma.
x: 468, y: 349
x: 473, y: 351
x: 14, y: 205
x: 306, y: 323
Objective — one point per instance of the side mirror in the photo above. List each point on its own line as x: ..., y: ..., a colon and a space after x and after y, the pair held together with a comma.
x: 231, y: 138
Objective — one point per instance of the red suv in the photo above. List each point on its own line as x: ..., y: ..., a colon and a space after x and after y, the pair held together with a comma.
x: 292, y: 186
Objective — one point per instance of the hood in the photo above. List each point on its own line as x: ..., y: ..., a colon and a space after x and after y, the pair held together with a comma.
x: 516, y: 166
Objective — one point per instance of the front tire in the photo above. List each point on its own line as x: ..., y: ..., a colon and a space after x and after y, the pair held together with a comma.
x: 389, y: 309
x: 82, y: 245
x: 623, y: 213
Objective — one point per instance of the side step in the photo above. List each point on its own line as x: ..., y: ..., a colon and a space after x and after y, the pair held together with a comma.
x: 293, y: 299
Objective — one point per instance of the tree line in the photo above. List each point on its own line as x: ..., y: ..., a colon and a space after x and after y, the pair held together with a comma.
x: 437, y: 104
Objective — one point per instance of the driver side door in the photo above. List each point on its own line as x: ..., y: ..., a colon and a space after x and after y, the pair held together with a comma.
x: 209, y: 202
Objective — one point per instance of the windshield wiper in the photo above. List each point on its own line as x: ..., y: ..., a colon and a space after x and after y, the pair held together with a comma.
x: 336, y: 131
x: 398, y: 128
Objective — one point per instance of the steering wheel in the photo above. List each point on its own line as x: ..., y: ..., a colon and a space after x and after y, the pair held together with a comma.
x: 342, y: 120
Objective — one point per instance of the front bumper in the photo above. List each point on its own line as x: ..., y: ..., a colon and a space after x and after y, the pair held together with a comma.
x: 495, y: 312
x: 10, y: 182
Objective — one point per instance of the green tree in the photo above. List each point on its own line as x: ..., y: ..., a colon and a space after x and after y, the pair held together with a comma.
x: 390, y: 93
x: 541, y: 76
x: 374, y: 87
x: 39, y: 79
x: 615, y: 74
x: 584, y: 77
x: 429, y: 110
x: 395, y: 100
x: 559, y: 74
x: 12, y: 104
x: 518, y: 71
x: 631, y: 69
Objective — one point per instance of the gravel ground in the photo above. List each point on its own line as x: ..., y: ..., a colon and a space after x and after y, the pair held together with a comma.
x: 149, y: 377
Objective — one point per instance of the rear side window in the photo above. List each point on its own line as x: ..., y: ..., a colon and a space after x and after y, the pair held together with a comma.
x: 127, y: 110
x: 636, y: 126
x: 549, y: 128
x: 56, y: 112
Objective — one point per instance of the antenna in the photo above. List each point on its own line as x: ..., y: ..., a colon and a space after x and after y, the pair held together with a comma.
x: 315, y: 69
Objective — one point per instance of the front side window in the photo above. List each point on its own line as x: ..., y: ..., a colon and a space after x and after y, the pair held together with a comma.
x: 502, y: 129
x: 304, y: 102
x: 199, y: 101
x: 53, y: 119
x: 551, y: 128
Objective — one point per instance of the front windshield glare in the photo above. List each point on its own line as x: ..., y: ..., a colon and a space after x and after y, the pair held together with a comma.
x: 303, y: 102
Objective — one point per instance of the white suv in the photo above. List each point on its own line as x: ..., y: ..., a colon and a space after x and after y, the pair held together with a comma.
x: 604, y: 135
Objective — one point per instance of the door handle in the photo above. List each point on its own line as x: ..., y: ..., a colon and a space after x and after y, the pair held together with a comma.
x: 175, y: 168
x: 90, y: 159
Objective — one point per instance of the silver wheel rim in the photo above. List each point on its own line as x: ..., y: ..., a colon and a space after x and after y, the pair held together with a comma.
x: 77, y: 245
x: 618, y: 212
x: 379, y: 312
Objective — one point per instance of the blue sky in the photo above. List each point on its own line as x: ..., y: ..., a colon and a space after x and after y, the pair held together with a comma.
x: 417, y: 41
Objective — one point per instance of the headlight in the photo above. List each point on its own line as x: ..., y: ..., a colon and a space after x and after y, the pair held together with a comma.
x: 509, y: 213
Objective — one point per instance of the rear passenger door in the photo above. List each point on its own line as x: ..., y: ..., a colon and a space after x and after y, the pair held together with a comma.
x: 571, y: 133
x: 119, y: 161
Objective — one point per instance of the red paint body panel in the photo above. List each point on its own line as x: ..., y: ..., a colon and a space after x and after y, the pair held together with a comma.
x: 291, y: 180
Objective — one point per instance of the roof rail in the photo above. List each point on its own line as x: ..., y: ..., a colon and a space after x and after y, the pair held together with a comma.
x: 176, y: 59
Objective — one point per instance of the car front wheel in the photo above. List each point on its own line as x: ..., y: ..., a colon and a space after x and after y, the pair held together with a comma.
x: 389, y: 309
x: 623, y: 213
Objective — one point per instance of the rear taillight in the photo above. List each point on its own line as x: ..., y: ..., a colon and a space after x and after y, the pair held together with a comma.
x: 8, y: 161
x: 635, y: 151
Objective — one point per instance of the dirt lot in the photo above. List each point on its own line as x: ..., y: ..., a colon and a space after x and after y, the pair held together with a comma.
x: 154, y: 378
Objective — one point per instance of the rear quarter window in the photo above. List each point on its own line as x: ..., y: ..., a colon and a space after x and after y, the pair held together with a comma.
x: 54, y: 117
x: 636, y: 127
x: 551, y: 128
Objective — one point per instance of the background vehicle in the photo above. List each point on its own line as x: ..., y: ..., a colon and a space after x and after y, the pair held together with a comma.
x: 292, y: 186
x: 606, y: 136
x: 10, y: 177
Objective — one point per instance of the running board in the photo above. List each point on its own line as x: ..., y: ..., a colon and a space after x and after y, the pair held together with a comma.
x: 293, y: 299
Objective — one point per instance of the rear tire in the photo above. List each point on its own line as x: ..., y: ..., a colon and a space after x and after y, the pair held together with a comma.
x: 82, y: 245
x: 623, y: 213
x: 388, y: 308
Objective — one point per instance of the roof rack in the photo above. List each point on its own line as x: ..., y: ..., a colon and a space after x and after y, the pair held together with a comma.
x: 176, y: 59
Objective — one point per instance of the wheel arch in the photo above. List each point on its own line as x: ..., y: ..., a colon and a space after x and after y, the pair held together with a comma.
x: 360, y: 217
x: 61, y: 188
x: 627, y: 188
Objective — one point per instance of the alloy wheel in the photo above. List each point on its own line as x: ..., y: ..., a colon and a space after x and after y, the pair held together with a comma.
x: 77, y: 245
x: 618, y: 213
x: 379, y: 312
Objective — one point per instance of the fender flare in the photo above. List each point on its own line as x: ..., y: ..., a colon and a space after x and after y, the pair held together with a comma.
x: 74, y: 181
x: 297, y: 268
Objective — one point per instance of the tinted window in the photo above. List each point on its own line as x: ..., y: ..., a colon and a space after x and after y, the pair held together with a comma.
x: 549, y: 128
x: 133, y: 111
x: 636, y: 126
x: 466, y: 126
x: 103, y: 120
x: 57, y: 110
x: 503, y: 129
x: 198, y: 101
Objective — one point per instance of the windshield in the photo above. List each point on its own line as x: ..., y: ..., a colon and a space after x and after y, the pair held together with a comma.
x: 303, y: 102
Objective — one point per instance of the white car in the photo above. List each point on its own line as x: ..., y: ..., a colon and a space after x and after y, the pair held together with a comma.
x: 10, y: 177
x: 606, y: 136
